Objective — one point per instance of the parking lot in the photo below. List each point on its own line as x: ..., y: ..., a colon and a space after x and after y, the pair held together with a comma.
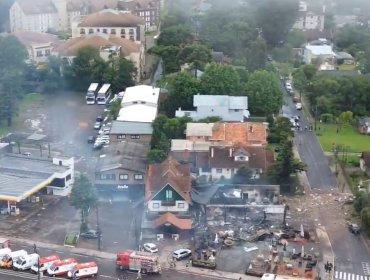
x: 69, y: 122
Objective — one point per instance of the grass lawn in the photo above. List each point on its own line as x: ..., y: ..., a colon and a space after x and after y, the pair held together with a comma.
x: 348, y: 137
x: 29, y: 101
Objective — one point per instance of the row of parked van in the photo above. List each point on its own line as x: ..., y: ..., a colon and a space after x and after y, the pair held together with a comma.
x: 51, y: 265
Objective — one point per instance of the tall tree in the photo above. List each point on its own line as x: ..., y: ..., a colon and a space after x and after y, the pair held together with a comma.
x: 83, y: 197
x: 221, y: 80
x: 121, y: 73
x: 276, y: 18
x: 257, y: 55
x: 197, y: 55
x: 169, y: 55
x: 181, y: 90
x: 264, y: 93
x: 174, y: 36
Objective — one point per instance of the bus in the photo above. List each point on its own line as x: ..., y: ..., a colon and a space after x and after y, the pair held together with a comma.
x: 91, y: 93
x: 103, y: 94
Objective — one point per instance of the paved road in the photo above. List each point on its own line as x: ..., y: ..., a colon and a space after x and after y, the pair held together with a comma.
x: 352, y: 256
x: 318, y: 172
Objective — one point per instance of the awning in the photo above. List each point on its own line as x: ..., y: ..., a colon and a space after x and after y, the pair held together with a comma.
x: 171, y: 219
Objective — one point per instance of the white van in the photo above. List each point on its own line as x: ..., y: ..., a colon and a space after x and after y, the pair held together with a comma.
x: 26, y: 262
x: 44, y: 263
x: 4, y: 251
x: 8, y: 260
x: 81, y: 270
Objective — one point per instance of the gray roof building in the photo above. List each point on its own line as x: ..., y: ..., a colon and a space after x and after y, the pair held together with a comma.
x: 122, y: 127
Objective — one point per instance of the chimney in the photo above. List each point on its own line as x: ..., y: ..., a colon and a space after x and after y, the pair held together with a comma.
x: 212, y: 152
x: 230, y: 152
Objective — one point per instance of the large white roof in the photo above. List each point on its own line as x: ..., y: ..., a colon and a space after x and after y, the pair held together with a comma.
x: 142, y: 93
x: 231, y: 102
x: 137, y: 113
x: 320, y: 50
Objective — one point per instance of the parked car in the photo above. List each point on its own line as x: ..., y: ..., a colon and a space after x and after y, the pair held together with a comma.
x: 298, y: 106
x: 181, y: 254
x: 354, y: 228
x: 27, y: 154
x: 104, y: 130
x: 97, y: 125
x: 91, y: 234
x: 99, y: 118
x: 150, y: 247
x: 91, y: 139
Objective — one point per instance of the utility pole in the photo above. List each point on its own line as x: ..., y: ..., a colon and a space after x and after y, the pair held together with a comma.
x: 98, y: 227
x: 38, y: 262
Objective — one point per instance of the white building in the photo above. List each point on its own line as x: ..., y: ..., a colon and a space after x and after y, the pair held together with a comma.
x: 139, y: 104
x: 39, y: 45
x: 318, y: 50
x: 41, y: 15
x: 228, y: 108
x: 310, y: 17
x: 110, y: 22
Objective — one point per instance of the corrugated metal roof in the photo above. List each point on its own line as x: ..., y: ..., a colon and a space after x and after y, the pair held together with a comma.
x: 231, y: 102
x: 122, y: 127
x: 199, y: 129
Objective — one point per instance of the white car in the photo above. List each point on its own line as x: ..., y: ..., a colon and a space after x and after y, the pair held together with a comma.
x: 298, y: 106
x: 150, y: 247
x: 97, y: 125
x: 181, y: 254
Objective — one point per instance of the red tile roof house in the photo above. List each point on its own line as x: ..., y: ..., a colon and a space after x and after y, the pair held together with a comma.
x: 167, y: 197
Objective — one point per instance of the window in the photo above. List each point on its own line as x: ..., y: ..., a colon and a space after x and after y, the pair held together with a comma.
x: 113, y: 31
x: 69, y: 177
x: 132, y: 38
x: 105, y: 31
x: 169, y: 194
x: 107, y: 177
x: 218, y: 170
x: 121, y: 136
x: 91, y: 31
x: 47, y: 52
x: 135, y: 136
x: 236, y: 110
x: 123, y: 176
x: 156, y: 205
x: 138, y: 177
x: 39, y: 53
x: 131, y: 31
x: 98, y: 30
x: 123, y: 31
x: 82, y: 31
x: 181, y: 205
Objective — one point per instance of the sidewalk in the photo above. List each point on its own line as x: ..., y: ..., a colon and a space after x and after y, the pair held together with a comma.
x: 75, y: 250
x: 327, y: 252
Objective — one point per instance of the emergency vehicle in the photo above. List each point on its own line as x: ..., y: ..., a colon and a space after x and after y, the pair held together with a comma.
x: 61, y: 267
x: 10, y: 258
x: 82, y: 270
x: 144, y: 262
x: 44, y: 263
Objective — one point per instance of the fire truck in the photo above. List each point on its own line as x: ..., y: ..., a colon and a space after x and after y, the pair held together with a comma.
x: 144, y: 262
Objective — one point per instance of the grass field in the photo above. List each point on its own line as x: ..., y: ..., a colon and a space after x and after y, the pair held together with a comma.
x: 29, y: 101
x: 348, y: 137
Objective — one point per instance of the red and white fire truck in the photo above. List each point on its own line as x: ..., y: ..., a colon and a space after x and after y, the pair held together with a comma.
x: 135, y: 260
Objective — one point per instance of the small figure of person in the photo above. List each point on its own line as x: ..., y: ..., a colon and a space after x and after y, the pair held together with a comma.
x: 138, y: 275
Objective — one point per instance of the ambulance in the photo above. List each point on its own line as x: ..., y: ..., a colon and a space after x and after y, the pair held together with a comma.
x: 61, y: 267
x: 10, y: 258
x: 44, y: 263
x: 82, y: 270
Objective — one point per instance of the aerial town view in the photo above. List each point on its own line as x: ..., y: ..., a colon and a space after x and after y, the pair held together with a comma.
x: 185, y: 139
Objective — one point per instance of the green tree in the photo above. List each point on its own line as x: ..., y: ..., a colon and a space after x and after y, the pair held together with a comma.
x: 114, y: 109
x: 83, y: 197
x: 169, y: 55
x: 181, y: 90
x: 256, y: 55
x: 264, y: 93
x: 345, y: 118
x: 87, y: 66
x: 52, y: 76
x: 156, y: 156
x: 220, y: 80
x: 174, y: 36
x: 296, y: 38
x: 276, y: 18
x: 197, y: 55
x: 121, y: 74
x: 361, y: 201
x: 280, y: 131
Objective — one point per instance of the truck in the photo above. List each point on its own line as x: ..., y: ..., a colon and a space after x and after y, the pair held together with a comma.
x: 44, y: 263
x: 89, y: 269
x: 26, y: 262
x: 4, y: 251
x: 144, y: 262
x: 61, y: 267
x: 91, y: 93
x: 10, y: 258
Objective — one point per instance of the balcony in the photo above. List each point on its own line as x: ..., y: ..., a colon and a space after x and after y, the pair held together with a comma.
x: 168, y: 203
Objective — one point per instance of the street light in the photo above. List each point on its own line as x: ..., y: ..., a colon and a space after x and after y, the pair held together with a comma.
x: 98, y: 226
x: 38, y: 261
